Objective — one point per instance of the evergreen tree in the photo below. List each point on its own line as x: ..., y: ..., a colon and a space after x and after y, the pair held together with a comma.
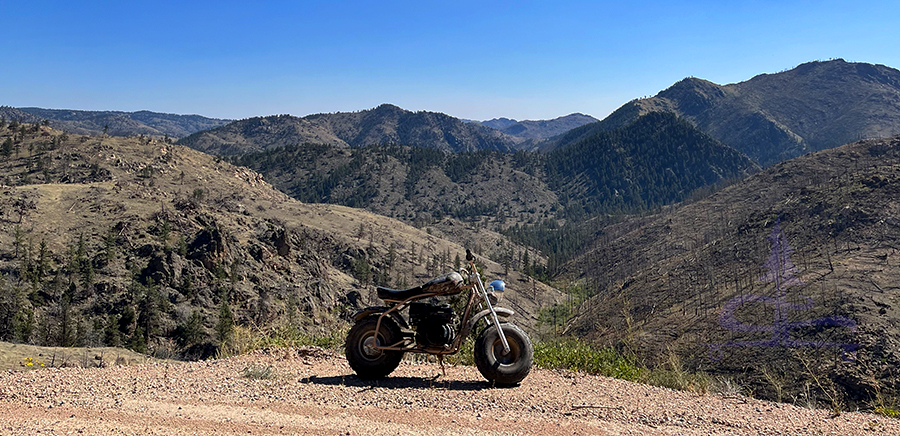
x: 6, y: 149
x: 190, y: 332
x: 225, y: 325
x: 138, y: 341
x: 111, y: 336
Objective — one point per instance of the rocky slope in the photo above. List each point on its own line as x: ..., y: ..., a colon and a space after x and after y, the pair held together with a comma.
x: 123, y: 241
x: 700, y: 282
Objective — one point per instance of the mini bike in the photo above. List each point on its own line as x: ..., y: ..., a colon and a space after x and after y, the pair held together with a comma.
x: 381, y: 335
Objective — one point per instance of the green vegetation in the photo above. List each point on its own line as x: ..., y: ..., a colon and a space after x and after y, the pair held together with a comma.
x: 577, y: 355
x: 890, y: 412
x: 574, y: 354
x: 559, y: 313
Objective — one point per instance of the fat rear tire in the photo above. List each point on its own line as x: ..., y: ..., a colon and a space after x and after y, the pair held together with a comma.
x: 367, y: 362
x: 504, y: 369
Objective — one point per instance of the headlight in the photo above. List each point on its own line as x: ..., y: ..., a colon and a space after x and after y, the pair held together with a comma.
x: 495, y: 290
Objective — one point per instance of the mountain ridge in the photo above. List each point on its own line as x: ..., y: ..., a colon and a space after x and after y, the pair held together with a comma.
x: 116, y: 123
x: 778, y: 116
x: 385, y: 124
x: 656, y: 160
x: 539, y: 129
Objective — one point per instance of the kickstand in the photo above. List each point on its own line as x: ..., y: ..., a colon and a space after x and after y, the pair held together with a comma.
x: 441, y: 361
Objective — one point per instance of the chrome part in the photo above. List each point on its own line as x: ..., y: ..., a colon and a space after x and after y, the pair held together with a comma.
x: 494, y: 318
x: 370, y: 347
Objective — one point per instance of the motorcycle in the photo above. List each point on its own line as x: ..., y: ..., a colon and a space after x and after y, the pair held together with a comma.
x: 381, y: 335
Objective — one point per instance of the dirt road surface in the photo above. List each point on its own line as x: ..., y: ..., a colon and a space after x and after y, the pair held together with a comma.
x: 313, y: 392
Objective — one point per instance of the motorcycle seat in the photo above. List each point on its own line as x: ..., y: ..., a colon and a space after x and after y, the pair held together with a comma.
x: 446, y: 284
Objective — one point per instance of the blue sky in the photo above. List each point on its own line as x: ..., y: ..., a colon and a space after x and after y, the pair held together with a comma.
x: 476, y: 60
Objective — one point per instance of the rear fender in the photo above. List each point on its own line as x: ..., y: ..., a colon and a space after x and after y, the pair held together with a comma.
x: 502, y: 312
x: 377, y: 311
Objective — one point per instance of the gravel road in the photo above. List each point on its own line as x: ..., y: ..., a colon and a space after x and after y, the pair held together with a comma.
x: 310, y: 391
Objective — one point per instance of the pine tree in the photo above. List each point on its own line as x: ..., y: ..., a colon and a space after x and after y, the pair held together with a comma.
x: 526, y: 264
x: 111, y: 335
x: 225, y: 325
x: 6, y: 149
x: 138, y: 341
x: 191, y: 331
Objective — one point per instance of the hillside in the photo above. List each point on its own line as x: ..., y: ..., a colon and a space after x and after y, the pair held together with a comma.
x: 136, y: 242
x: 8, y: 113
x: 385, y: 124
x: 656, y: 160
x: 114, y: 123
x: 696, y: 283
x: 414, y: 184
x: 775, y: 117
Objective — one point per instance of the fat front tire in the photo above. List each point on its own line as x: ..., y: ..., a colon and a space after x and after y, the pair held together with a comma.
x: 368, y: 362
x: 499, y: 367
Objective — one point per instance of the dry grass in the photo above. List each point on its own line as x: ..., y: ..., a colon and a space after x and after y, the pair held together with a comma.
x: 13, y: 357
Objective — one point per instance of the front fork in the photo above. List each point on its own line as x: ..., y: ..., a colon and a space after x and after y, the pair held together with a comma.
x: 494, y: 317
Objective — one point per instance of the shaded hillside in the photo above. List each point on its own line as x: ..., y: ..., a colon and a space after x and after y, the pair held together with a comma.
x: 122, y: 241
x: 666, y: 284
x: 385, y: 124
x: 775, y: 117
x: 114, y: 122
x: 656, y: 160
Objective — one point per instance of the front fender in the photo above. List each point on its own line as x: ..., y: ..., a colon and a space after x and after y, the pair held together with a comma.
x: 502, y: 312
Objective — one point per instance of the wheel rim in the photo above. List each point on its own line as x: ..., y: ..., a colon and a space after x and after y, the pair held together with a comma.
x: 503, y: 357
x: 367, y: 346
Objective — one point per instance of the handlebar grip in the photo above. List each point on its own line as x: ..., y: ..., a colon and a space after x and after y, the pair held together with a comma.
x: 469, y: 256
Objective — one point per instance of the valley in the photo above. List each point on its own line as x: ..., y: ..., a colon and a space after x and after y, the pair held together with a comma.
x: 651, y: 232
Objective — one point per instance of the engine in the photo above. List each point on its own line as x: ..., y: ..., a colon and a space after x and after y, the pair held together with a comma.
x: 433, y: 323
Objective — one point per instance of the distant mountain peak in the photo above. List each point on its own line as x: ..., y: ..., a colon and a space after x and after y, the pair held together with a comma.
x: 540, y: 129
x: 498, y: 123
x: 384, y: 124
x: 779, y: 116
x: 389, y: 107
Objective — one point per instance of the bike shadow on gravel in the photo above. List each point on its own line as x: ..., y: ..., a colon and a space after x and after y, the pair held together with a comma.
x: 351, y: 380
